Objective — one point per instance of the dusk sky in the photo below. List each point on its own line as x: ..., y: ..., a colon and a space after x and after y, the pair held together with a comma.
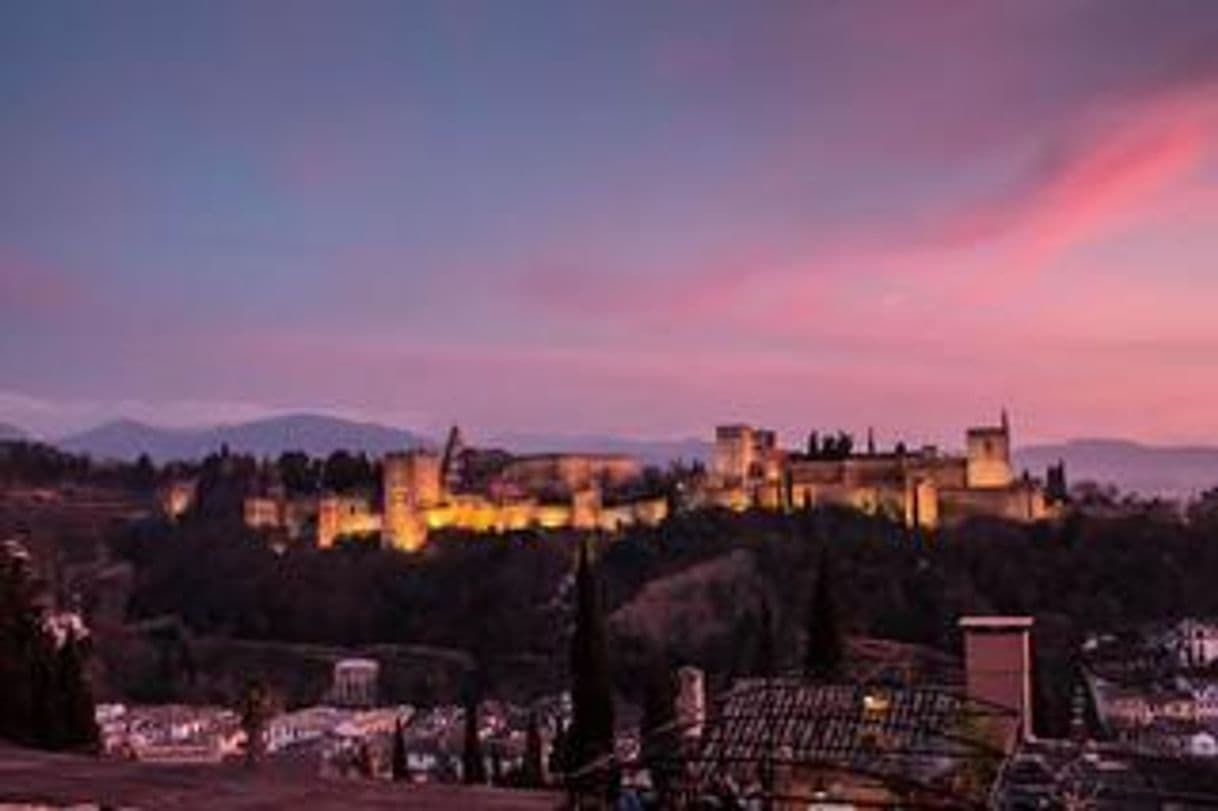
x: 634, y: 218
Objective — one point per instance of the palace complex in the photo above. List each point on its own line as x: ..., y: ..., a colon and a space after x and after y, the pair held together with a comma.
x: 470, y: 489
x: 492, y: 491
x: 922, y: 487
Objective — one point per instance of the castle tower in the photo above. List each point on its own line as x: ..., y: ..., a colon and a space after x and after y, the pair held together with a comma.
x: 989, y: 455
x: 411, y: 484
x: 734, y: 452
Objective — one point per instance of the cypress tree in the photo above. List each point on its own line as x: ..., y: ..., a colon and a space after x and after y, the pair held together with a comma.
x: 823, y: 656
x: 660, y: 738
x: 255, y: 707
x: 77, y: 726
x: 560, y: 749
x: 533, y: 774
x: 591, y: 734
x: 400, y: 769
x: 473, y: 770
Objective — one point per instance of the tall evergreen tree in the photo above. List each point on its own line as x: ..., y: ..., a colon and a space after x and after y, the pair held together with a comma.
x: 400, y: 770
x: 255, y: 709
x: 533, y: 772
x: 591, y: 734
x: 824, y: 652
x: 473, y: 769
x: 560, y: 749
x: 660, y: 737
x: 78, y: 722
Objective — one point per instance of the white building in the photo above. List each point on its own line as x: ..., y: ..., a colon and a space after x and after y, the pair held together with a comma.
x: 1203, y: 744
x: 355, y: 683
x: 1196, y: 642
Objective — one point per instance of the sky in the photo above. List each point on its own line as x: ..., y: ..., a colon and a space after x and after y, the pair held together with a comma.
x: 639, y: 218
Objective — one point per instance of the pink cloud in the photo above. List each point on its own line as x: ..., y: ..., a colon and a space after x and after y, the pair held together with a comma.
x: 1083, y: 195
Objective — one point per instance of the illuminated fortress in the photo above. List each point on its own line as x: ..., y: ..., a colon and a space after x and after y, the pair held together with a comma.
x: 467, y: 489
x: 492, y: 491
x: 550, y: 491
x: 922, y: 487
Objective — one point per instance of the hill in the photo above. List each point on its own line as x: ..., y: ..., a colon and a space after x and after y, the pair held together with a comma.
x: 1177, y: 471
x: 11, y: 433
x: 315, y: 434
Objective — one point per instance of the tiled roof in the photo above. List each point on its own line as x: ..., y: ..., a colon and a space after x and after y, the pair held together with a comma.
x: 918, y: 734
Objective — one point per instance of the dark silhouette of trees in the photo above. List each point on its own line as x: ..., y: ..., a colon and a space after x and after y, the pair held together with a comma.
x: 560, y: 749
x: 78, y: 723
x: 473, y: 767
x: 45, y: 699
x: 400, y: 770
x: 591, y: 733
x: 831, y: 446
x: 533, y: 768
x: 345, y: 472
x: 1056, y: 489
x: 255, y: 710
x: 823, y: 654
x: 661, y: 739
x: 299, y: 473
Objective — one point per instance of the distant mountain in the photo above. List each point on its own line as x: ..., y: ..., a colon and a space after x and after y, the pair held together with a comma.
x: 651, y: 451
x: 11, y: 433
x: 315, y: 434
x: 1177, y: 471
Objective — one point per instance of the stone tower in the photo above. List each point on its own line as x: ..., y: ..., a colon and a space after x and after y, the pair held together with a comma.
x: 411, y: 484
x: 989, y: 455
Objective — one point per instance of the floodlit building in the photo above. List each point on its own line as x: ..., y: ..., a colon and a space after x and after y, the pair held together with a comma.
x: 345, y: 515
x: 920, y: 487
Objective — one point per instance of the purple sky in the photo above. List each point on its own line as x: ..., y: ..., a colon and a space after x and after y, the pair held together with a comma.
x: 640, y: 218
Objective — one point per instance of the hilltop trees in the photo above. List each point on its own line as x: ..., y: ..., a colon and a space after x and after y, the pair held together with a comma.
x: 830, y: 446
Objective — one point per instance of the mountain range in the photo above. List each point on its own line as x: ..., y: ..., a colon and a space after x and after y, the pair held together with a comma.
x: 11, y: 433
x: 314, y: 434
x: 1168, y: 471
x: 1175, y: 471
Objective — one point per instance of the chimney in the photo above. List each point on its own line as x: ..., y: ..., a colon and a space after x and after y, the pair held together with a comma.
x: 998, y: 666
